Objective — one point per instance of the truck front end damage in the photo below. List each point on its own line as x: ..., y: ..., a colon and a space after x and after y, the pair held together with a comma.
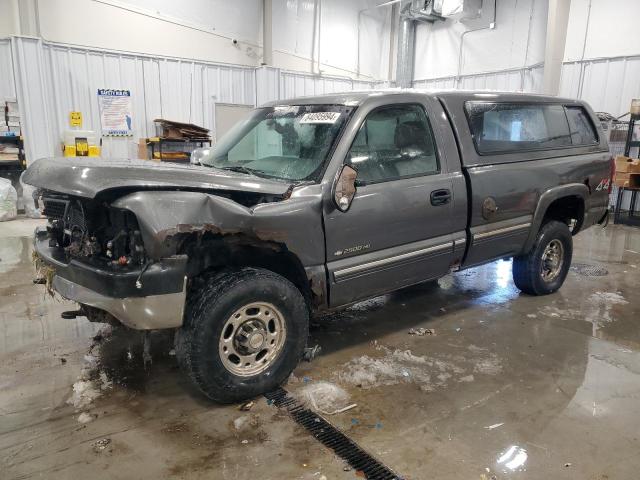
x: 93, y: 253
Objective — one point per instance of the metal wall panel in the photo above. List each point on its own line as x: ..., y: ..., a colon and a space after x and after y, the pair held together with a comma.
x: 267, y: 85
x: 33, y: 97
x: 56, y: 79
x: 7, y: 86
x: 293, y: 84
x: 608, y: 84
x: 527, y: 79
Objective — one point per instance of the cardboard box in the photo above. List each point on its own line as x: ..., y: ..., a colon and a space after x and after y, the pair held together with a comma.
x: 12, y: 108
x: 142, y: 149
x: 627, y: 165
x: 627, y: 180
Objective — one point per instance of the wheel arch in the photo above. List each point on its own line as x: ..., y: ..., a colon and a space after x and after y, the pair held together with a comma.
x: 562, y: 203
x: 210, y: 252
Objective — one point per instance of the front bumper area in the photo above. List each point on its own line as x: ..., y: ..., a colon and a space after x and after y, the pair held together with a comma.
x: 140, y: 313
x: 157, y: 303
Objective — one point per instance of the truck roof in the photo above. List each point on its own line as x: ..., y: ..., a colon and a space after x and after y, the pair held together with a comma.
x: 356, y: 98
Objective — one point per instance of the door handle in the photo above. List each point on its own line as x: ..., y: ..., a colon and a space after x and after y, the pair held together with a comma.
x: 440, y: 197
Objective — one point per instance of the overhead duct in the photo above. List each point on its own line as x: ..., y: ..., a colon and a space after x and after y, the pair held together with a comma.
x: 411, y: 12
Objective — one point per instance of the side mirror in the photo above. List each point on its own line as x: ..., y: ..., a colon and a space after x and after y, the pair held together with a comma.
x: 345, y: 188
x: 197, y: 154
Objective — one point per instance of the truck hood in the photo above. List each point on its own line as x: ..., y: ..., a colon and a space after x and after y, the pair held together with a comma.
x: 88, y: 177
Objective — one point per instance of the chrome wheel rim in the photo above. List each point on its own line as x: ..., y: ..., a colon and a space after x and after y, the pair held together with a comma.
x: 252, y: 339
x: 552, y: 260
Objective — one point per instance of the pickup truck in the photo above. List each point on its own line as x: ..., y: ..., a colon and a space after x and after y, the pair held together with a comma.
x: 313, y: 204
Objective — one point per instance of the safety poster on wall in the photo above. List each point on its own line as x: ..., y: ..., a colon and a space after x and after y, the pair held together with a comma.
x: 115, y: 112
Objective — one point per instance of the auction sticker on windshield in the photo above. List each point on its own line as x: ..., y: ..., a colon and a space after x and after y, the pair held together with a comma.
x: 320, y: 117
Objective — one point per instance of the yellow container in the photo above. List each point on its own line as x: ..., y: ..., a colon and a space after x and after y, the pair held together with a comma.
x: 81, y: 143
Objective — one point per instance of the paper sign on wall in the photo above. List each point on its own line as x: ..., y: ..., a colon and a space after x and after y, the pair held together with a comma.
x: 75, y: 119
x: 115, y: 112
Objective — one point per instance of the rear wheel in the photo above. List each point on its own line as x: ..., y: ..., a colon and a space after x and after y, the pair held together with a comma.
x: 244, y: 333
x: 544, y: 269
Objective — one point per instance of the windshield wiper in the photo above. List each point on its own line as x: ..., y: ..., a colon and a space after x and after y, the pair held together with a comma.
x: 241, y: 169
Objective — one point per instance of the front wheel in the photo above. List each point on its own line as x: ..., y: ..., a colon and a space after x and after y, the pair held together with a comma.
x: 544, y: 269
x: 244, y: 333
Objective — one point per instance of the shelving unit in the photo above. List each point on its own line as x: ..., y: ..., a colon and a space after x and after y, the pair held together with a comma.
x: 156, y: 146
x: 632, y: 216
x: 11, y: 164
x: 20, y: 163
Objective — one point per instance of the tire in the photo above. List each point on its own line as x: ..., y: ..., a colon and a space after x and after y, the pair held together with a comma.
x: 266, y: 306
x: 528, y: 272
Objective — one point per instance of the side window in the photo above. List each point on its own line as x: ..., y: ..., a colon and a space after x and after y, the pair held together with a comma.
x: 582, y: 131
x: 394, y: 142
x: 513, y: 127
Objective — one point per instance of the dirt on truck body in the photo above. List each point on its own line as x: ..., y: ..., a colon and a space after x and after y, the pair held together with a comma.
x: 313, y: 204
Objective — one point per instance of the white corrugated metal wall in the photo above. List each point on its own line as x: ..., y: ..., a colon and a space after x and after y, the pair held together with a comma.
x: 608, y: 84
x: 294, y: 84
x: 56, y: 79
x: 528, y: 79
x: 7, y: 86
x: 276, y: 84
x: 53, y: 80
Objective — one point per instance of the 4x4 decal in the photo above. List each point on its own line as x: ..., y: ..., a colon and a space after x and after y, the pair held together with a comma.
x: 603, y: 185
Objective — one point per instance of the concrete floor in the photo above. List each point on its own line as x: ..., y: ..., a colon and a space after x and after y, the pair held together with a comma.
x: 509, y: 386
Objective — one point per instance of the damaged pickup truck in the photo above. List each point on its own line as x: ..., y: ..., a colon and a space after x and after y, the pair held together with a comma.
x: 313, y: 204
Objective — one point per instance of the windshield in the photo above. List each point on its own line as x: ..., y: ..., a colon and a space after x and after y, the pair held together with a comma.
x: 285, y: 142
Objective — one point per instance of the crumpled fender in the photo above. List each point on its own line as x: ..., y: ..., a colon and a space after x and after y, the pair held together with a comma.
x: 295, y: 223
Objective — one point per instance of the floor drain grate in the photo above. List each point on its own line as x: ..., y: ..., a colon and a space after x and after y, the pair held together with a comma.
x: 589, y: 270
x: 331, y: 437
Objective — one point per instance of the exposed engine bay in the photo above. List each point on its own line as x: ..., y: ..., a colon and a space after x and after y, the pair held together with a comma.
x: 92, y: 230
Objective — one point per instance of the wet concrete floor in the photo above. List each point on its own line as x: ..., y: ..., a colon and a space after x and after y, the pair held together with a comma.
x: 491, y: 384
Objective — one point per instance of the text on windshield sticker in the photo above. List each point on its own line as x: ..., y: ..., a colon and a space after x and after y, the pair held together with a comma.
x: 320, y: 117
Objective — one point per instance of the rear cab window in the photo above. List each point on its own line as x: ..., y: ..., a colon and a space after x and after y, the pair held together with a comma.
x: 582, y: 130
x: 517, y: 127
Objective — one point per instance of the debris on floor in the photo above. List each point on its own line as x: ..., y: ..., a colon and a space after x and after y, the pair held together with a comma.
x: 84, y: 393
x: 101, y: 445
x: 495, y: 425
x: 246, y: 406
x: 246, y: 421
x: 85, y: 417
x: 429, y: 372
x: 310, y: 353
x: 421, y: 332
x: 90, y: 384
x: 324, y: 397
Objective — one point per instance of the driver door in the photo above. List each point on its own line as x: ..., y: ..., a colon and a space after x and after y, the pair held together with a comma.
x: 398, y: 229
